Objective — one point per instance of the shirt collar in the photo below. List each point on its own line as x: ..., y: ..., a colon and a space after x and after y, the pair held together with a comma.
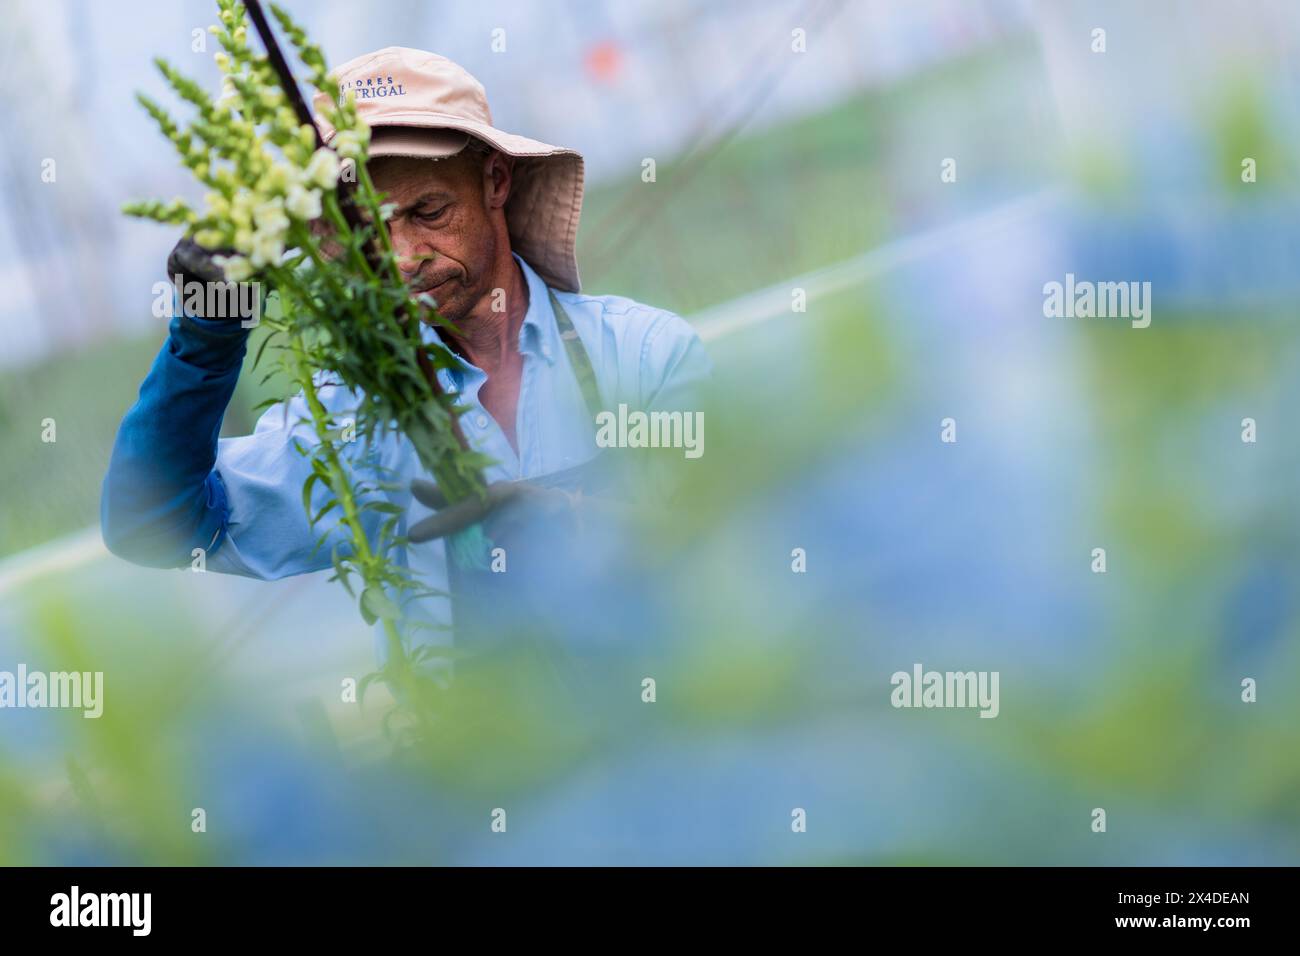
x: 538, y: 336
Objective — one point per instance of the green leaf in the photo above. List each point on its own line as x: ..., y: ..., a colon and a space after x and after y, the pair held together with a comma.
x: 364, y: 684
x: 325, y: 509
x: 378, y: 603
x: 262, y: 348
x: 314, y: 477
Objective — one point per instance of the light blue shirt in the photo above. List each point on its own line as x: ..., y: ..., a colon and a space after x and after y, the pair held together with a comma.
x: 646, y: 357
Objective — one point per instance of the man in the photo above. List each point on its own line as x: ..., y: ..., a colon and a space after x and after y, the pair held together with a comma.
x: 486, y: 223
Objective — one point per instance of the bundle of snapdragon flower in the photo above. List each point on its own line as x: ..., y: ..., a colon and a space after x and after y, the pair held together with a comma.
x: 341, y: 311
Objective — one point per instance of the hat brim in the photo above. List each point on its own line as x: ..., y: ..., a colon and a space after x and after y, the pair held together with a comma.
x: 416, y: 142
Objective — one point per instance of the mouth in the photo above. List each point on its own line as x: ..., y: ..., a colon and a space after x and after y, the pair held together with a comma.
x: 421, y: 290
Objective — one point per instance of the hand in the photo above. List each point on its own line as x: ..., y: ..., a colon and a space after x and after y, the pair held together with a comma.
x: 504, y: 503
x: 191, y: 262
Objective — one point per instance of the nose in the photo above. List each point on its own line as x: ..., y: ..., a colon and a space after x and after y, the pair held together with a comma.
x: 410, y: 252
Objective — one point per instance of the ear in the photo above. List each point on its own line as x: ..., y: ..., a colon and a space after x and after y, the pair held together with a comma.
x: 498, y: 175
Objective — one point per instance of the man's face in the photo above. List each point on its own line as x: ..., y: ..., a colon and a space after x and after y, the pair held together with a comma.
x: 447, y: 224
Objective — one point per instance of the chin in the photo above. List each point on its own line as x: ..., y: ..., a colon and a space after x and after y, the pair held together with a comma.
x: 445, y: 312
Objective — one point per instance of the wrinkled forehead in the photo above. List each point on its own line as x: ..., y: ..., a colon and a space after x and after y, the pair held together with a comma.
x: 406, y: 178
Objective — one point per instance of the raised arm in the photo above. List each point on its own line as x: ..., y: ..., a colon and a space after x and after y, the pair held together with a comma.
x: 173, y: 486
x: 161, y: 498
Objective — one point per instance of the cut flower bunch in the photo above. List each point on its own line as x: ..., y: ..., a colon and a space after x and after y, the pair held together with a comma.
x: 306, y: 221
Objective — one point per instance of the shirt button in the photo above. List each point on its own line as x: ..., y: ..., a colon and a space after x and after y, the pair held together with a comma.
x: 481, y: 421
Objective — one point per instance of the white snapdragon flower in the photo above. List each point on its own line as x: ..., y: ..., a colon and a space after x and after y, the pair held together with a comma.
x: 282, y: 178
x: 229, y: 94
x: 269, y: 216
x: 302, y: 203
x: 268, y: 249
x: 323, y: 170
x: 349, y: 143
x: 217, y: 205
x: 241, y: 209
x: 236, y: 268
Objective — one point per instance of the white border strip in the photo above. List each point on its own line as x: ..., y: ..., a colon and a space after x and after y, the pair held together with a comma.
x: 61, y: 554
x: 774, y: 301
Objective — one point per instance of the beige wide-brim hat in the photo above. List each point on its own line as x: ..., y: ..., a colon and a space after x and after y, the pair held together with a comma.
x: 424, y: 105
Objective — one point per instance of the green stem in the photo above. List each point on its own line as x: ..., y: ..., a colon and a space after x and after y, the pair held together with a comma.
x: 341, y: 486
x: 368, y: 186
x: 304, y: 240
x: 335, y: 215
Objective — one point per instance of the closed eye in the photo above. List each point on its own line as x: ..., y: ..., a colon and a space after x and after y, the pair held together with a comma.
x: 429, y: 214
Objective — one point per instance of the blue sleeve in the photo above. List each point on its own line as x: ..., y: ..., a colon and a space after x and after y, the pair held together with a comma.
x: 267, y: 534
x: 674, y: 366
x: 161, y: 497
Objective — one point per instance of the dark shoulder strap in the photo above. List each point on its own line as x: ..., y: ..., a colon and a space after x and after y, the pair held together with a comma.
x: 578, y: 358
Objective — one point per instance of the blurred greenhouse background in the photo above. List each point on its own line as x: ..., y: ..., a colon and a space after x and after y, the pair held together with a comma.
x: 777, y: 171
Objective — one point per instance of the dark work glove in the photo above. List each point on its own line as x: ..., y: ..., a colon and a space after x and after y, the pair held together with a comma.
x: 191, y: 262
x: 509, y: 503
x: 504, y: 504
